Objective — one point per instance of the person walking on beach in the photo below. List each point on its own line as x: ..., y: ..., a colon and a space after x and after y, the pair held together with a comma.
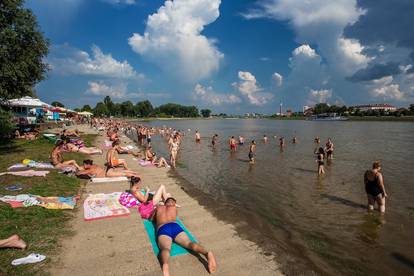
x: 232, y: 143
x: 174, y: 151
x: 320, y: 160
x: 329, y: 149
x: 169, y: 231
x: 197, y: 136
x: 374, y: 187
x: 252, y: 152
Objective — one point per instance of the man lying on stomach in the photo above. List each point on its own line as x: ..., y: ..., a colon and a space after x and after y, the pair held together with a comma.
x: 168, y: 231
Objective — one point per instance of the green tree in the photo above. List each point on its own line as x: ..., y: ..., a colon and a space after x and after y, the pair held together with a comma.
x: 58, y: 104
x: 144, y: 108
x: 22, y: 50
x: 110, y: 106
x: 321, y: 108
x: 87, y: 107
x: 205, y: 112
x: 100, y: 109
x: 127, y: 108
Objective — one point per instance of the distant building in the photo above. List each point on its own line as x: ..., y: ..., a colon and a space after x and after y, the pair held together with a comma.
x: 377, y: 107
x: 305, y: 107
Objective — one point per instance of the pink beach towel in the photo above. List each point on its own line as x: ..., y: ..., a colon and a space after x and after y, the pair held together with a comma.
x: 145, y: 163
x: 100, y: 206
x: 27, y: 173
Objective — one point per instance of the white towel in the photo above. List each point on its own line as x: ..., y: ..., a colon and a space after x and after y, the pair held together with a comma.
x: 109, y: 179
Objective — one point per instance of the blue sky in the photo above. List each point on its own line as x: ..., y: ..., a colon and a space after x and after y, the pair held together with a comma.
x: 230, y: 56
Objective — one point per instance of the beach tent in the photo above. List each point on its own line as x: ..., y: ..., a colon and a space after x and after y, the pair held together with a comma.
x: 27, y: 109
x: 85, y: 113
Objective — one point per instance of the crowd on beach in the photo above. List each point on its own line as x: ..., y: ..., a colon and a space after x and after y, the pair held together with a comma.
x: 160, y: 205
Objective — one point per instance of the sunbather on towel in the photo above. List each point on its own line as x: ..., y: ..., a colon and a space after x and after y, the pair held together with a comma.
x: 151, y: 157
x: 13, y: 241
x: 169, y: 231
x: 81, y: 148
x: 57, y: 158
x: 89, y: 169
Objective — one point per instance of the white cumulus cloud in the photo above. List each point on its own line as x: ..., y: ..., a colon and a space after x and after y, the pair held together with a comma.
x: 391, y: 91
x: 249, y: 88
x: 278, y: 78
x: 319, y: 96
x: 99, y: 88
x: 67, y: 60
x: 208, y: 95
x: 173, y: 40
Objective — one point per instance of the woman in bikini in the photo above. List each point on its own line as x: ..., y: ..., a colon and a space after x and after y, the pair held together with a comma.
x: 320, y: 160
x: 146, y: 201
x: 174, y: 151
x: 80, y: 147
x: 374, y: 187
x: 57, y: 158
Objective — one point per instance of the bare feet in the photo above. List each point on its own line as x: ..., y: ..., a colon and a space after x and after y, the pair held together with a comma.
x: 165, y: 270
x: 212, y: 266
x: 13, y: 241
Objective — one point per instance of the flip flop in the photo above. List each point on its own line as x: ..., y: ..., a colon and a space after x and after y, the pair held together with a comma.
x: 31, y: 259
x: 13, y: 188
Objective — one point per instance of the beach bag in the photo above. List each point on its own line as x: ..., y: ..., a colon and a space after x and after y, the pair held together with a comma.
x: 128, y: 200
x: 146, y: 209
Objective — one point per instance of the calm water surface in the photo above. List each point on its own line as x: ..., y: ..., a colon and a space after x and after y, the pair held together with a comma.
x: 320, y: 219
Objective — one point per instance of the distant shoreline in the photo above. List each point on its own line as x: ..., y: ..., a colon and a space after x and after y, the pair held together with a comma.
x: 351, y: 118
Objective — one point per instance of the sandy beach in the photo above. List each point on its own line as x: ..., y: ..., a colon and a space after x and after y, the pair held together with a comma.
x: 120, y: 246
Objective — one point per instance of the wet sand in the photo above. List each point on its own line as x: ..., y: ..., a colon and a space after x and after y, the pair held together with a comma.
x: 120, y: 246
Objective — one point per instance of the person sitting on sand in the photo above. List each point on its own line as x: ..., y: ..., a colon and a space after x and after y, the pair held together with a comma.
x: 71, y: 147
x: 112, y: 157
x: 169, y: 231
x: 374, y: 187
x: 57, y: 158
x: 13, y: 241
x: 148, y: 201
x: 151, y: 157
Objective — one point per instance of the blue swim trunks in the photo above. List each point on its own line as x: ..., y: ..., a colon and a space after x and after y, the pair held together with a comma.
x: 171, y: 229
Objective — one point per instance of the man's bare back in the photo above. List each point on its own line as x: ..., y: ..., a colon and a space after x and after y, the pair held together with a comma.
x: 165, y: 214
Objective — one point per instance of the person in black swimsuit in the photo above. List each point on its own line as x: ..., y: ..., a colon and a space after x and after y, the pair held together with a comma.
x: 320, y: 160
x: 374, y: 187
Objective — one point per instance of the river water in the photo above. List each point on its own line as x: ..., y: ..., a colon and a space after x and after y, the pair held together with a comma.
x: 321, y: 222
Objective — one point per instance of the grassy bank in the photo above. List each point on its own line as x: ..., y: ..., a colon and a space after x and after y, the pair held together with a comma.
x: 41, y: 228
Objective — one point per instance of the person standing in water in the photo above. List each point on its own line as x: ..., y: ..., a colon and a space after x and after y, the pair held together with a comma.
x: 265, y: 139
x: 317, y: 141
x: 374, y: 187
x: 282, y: 142
x: 232, y: 143
x: 294, y: 140
x: 320, y: 160
x: 241, y: 140
x: 214, y: 140
x: 197, y: 137
x: 329, y: 149
x: 252, y: 152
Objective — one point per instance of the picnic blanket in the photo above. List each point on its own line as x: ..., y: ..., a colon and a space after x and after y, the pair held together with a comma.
x: 109, y: 179
x: 175, y: 248
x: 27, y: 200
x: 27, y: 173
x: 145, y: 163
x: 100, y: 206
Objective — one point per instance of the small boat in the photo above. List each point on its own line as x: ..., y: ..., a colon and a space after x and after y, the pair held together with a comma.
x: 327, y: 117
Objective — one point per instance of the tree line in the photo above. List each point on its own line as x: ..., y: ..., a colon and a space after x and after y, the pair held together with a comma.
x: 344, y: 111
x: 143, y: 109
